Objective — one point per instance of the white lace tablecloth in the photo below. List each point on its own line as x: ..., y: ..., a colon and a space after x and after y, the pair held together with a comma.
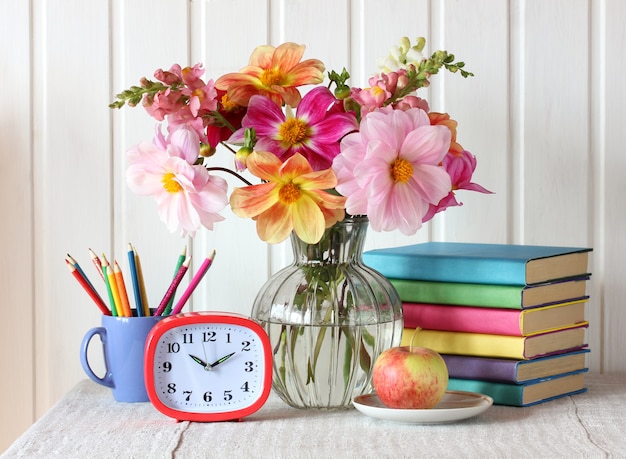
x: 88, y: 423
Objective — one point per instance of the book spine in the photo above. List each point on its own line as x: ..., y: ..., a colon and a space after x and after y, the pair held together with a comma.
x: 454, y: 269
x: 501, y: 393
x: 460, y: 343
x: 493, y: 321
x: 484, y: 295
x: 514, y: 394
x: 499, y: 346
x: 490, y: 369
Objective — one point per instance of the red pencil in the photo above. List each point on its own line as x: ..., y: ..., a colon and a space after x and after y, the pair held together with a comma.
x: 204, y: 267
x: 173, y: 286
x: 87, y: 287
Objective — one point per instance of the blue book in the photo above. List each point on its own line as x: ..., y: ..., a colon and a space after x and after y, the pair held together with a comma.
x: 500, y: 264
x: 530, y: 393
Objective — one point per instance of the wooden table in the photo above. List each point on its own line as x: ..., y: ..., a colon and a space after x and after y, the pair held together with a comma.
x: 87, y: 422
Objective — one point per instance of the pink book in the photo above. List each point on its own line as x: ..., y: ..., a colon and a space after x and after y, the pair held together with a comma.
x: 495, y: 321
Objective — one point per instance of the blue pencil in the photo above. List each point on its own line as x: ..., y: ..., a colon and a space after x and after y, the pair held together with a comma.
x: 135, y: 279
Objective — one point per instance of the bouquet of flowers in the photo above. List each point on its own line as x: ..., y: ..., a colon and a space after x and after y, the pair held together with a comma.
x: 335, y: 150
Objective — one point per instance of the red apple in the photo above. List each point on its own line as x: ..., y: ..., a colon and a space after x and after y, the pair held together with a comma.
x: 410, y: 377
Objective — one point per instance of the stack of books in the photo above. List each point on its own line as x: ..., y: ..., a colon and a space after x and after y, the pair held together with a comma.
x: 509, y: 320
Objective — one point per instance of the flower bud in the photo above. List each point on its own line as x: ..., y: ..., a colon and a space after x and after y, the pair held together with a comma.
x: 241, y: 157
x: 207, y: 150
x: 341, y: 92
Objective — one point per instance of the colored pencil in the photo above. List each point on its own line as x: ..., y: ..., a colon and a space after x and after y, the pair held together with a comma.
x: 206, y: 264
x: 121, y: 288
x: 135, y: 280
x: 181, y: 258
x: 142, y: 285
x: 96, y: 262
x: 73, y: 262
x: 105, y: 268
x: 173, y: 286
x: 89, y: 289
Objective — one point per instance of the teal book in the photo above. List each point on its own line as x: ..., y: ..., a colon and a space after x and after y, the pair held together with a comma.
x: 502, y: 264
x: 527, y: 394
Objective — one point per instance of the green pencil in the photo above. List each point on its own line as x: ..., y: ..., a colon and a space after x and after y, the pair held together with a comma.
x: 105, y: 268
x: 181, y: 258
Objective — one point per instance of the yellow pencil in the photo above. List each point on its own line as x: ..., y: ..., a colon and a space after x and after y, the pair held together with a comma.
x: 121, y: 288
x: 113, y: 283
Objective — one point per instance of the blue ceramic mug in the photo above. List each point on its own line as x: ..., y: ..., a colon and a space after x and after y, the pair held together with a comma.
x: 123, y: 341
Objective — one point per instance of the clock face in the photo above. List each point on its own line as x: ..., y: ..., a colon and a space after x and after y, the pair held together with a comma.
x: 209, y: 367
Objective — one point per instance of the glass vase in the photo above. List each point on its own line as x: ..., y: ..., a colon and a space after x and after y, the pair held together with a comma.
x: 328, y: 317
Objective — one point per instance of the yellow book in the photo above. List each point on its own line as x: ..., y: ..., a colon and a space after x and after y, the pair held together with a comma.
x: 484, y: 345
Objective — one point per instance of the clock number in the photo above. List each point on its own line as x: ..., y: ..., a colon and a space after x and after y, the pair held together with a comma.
x: 187, y: 335
x: 187, y: 395
x: 245, y: 346
x: 173, y: 348
x: 208, y: 397
x: 228, y: 338
x: 208, y: 336
x: 245, y: 387
x: 249, y: 367
x: 167, y: 367
x: 171, y: 388
x: 227, y: 395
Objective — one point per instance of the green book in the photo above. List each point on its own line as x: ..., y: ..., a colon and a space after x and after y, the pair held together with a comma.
x: 491, y: 295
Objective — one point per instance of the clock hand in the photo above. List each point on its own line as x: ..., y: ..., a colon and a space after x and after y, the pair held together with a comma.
x: 223, y: 359
x: 199, y: 361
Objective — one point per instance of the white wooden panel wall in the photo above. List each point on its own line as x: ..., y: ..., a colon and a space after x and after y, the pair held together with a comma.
x: 544, y: 114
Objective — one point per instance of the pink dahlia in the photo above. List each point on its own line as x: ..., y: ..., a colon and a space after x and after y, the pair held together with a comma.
x: 314, y: 132
x: 390, y: 170
x: 187, y: 196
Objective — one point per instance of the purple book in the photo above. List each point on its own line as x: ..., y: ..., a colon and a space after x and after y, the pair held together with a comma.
x: 514, y: 371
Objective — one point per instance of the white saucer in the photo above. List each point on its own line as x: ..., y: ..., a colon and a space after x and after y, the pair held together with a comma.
x: 454, y: 406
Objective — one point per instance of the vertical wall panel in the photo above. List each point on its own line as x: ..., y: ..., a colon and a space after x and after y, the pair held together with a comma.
x: 555, y: 117
x: 16, y: 276
x: 145, y: 36
x: 241, y: 263
x: 612, y: 187
x: 478, y: 34
x: 72, y: 179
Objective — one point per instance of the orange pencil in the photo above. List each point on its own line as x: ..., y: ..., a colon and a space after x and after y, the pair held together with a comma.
x: 87, y: 287
x: 121, y: 289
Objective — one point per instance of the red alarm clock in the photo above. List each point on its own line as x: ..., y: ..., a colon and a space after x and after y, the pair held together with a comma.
x: 208, y: 366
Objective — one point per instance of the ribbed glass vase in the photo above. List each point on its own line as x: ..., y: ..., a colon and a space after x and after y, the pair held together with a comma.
x: 328, y: 317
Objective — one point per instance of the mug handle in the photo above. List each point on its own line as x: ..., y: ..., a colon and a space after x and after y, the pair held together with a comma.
x: 107, y: 380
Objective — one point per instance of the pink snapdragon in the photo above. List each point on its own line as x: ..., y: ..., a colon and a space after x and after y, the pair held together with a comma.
x: 187, y: 100
x: 390, y: 171
x: 382, y: 88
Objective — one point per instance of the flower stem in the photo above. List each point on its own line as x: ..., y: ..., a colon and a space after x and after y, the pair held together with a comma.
x: 224, y: 169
